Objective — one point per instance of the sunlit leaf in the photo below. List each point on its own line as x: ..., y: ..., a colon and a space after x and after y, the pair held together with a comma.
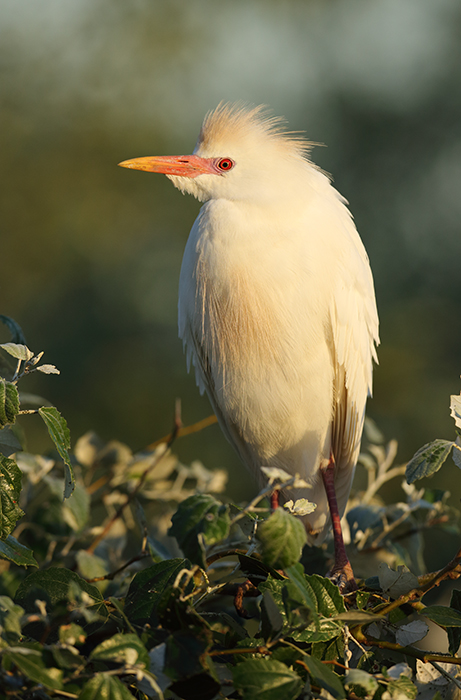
x: 48, y: 369
x: 428, y: 460
x: 18, y: 351
x: 281, y: 537
x: 356, y: 676
x: 31, y: 664
x: 455, y: 409
x: 105, y: 687
x: 266, y: 679
x: 123, y: 649
x: 60, y: 434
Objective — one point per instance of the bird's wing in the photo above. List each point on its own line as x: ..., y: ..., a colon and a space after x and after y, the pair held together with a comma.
x: 354, y: 327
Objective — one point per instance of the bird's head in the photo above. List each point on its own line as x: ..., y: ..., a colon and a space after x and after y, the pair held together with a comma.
x: 241, y: 154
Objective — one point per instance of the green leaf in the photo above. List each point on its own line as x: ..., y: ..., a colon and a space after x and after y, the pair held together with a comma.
x: 12, y: 550
x: 403, y: 686
x: 256, y: 570
x: 200, y: 521
x: 105, y: 687
x: 272, y: 613
x: 396, y: 583
x: 148, y: 586
x: 311, y: 607
x: 76, y: 511
x: 428, y: 460
x: 53, y: 585
x: 455, y: 409
x: 9, y: 402
x: 10, y: 618
x: 91, y: 566
x: 60, y: 434
x: 122, y: 648
x: 454, y: 634
x: 443, y: 615
x: 291, y: 607
x: 31, y: 664
x: 282, y: 537
x: 365, y: 680
x: 323, y: 676
x: 9, y: 443
x: 266, y: 679
x: 18, y: 351
x: 185, y: 653
x: 10, y: 490
x: 328, y: 606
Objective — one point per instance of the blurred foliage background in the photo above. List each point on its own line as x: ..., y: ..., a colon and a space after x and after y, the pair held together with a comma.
x: 90, y: 253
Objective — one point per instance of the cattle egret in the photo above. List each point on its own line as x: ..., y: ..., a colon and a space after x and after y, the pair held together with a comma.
x: 276, y: 307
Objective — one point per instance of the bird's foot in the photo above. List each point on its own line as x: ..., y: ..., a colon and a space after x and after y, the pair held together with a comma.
x: 343, y: 577
x: 245, y: 589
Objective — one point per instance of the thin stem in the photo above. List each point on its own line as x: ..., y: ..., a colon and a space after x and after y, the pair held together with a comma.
x: 130, y: 497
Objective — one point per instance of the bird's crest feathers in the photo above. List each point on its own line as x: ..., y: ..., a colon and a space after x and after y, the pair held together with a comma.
x: 235, y: 122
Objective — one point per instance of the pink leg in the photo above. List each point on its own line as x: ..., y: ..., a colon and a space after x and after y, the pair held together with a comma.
x: 274, y: 500
x: 341, y: 572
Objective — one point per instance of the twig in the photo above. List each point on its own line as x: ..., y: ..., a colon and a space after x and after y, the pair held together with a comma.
x: 140, y: 484
x: 186, y: 430
x: 109, y: 577
x: 254, y: 650
x: 406, y: 651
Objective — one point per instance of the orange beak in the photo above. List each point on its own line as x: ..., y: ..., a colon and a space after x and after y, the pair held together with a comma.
x: 186, y: 166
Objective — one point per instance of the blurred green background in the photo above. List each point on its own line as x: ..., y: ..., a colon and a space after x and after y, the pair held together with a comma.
x: 90, y: 253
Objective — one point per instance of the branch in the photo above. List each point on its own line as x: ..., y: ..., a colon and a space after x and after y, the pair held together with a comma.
x: 140, y: 484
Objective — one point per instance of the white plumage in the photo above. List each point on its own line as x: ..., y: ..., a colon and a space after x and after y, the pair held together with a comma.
x: 276, y: 302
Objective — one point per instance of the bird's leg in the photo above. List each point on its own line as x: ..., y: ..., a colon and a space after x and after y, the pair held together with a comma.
x: 275, y: 499
x: 341, y: 573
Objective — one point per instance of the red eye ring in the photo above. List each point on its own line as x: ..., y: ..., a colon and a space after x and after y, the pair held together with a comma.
x: 225, y: 164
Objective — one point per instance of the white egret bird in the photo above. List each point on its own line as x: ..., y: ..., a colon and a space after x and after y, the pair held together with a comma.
x: 276, y: 306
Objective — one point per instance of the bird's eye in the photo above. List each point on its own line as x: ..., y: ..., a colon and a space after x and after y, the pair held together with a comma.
x: 225, y: 164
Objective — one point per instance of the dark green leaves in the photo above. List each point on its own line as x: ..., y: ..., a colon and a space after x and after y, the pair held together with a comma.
x: 16, y: 552
x: 282, y: 537
x: 323, y: 676
x: 309, y: 607
x: 55, y: 585
x: 428, y: 460
x: 148, y: 586
x: 200, y: 521
x: 60, y: 434
x: 454, y: 633
x: 443, y: 616
x: 10, y: 489
x: 266, y: 679
x: 29, y: 660
x: 122, y: 649
x: 9, y: 402
x: 105, y: 687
